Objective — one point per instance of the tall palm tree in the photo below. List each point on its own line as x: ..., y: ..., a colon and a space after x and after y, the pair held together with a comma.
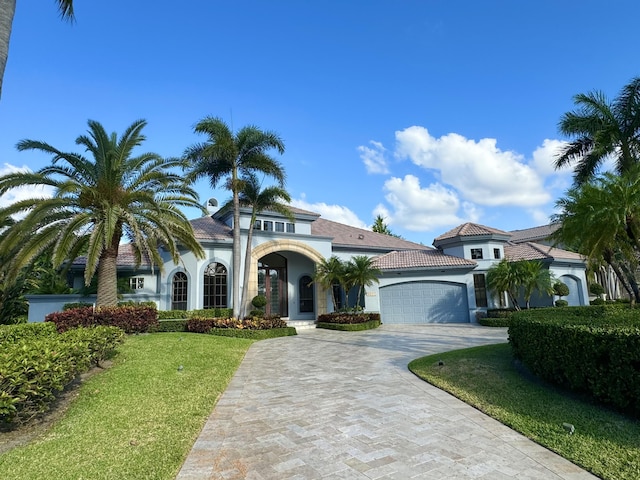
x: 270, y: 198
x: 601, y: 129
x: 230, y: 156
x: 361, y: 273
x: 7, y: 12
x: 601, y: 220
x: 99, y: 200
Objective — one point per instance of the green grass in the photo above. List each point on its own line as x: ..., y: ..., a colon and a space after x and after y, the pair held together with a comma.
x: 139, y: 418
x: 605, y: 442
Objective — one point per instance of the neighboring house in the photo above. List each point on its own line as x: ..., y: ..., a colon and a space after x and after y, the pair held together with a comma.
x: 418, y: 284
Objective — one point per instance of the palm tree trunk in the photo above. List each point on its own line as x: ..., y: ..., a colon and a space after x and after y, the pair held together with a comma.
x: 247, y: 268
x: 7, y: 11
x: 107, y: 279
x: 236, y: 250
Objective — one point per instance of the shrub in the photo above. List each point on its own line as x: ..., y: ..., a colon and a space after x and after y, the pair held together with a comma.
x: 596, y: 289
x: 590, y: 349
x: 131, y: 319
x: 172, y: 325
x: 597, y: 301
x: 254, y: 334
x: 211, y: 313
x: 561, y: 289
x: 74, y: 305
x: 348, y: 318
x: 500, y: 312
x: 204, y: 325
x: 171, y: 314
x: 561, y: 303
x: 259, y: 301
x: 34, y: 368
x: 349, y: 327
x: 495, y: 322
x: 13, y: 333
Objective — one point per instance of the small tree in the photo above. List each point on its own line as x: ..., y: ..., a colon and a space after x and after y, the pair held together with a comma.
x: 360, y: 272
x: 596, y: 289
x: 561, y: 290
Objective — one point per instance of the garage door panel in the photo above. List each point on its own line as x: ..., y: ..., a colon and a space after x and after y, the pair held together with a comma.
x: 424, y: 302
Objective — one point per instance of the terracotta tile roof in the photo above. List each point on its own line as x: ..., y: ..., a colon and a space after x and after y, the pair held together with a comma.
x: 537, y: 251
x: 209, y: 228
x: 535, y: 233
x: 471, y: 229
x: 126, y: 258
x: 420, y: 259
x: 345, y: 235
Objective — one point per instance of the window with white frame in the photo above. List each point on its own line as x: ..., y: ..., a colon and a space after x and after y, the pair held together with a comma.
x: 291, y: 228
x: 136, y: 283
x: 476, y: 253
x: 279, y: 226
x: 267, y: 226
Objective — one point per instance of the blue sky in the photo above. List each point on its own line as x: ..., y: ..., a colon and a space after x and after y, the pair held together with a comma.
x: 430, y: 113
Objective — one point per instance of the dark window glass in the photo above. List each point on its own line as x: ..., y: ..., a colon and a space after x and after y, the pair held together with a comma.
x: 496, y: 253
x: 480, y: 288
x: 291, y: 228
x: 268, y: 225
x: 215, y: 286
x: 476, y: 253
x: 257, y: 225
x: 179, y: 292
x: 306, y: 294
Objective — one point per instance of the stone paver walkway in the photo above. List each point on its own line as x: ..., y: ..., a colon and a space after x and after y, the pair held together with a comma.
x: 338, y: 405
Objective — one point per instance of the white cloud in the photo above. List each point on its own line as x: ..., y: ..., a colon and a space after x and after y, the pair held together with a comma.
x: 17, y: 194
x: 374, y: 158
x: 418, y: 209
x: 336, y: 213
x: 479, y: 171
x: 544, y: 159
x: 540, y: 217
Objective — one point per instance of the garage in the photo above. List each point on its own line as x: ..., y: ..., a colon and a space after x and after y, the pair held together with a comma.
x: 424, y: 302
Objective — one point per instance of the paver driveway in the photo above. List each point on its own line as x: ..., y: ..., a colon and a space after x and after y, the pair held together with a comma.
x: 325, y: 405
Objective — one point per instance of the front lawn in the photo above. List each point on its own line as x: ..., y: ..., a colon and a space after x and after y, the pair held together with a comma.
x: 139, y: 418
x: 604, y: 442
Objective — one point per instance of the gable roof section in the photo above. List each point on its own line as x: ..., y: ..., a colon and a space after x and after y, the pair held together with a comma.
x: 471, y: 230
x: 542, y: 232
x: 537, y: 251
x: 347, y: 236
x: 420, y: 259
x: 210, y: 228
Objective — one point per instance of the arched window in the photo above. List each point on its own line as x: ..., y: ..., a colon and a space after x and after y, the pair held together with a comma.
x: 215, y: 286
x: 179, y: 291
x: 305, y: 290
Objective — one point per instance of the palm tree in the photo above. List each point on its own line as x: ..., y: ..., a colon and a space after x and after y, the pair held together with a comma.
x: 230, y: 156
x: 601, y: 220
x: 602, y: 129
x: 502, y: 277
x: 7, y: 11
x: 533, y: 278
x: 270, y: 198
x: 96, y: 202
x: 360, y: 272
x: 328, y: 273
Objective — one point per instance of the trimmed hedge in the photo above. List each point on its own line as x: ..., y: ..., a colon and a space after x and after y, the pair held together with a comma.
x: 34, y: 368
x: 494, y: 322
x: 254, y: 334
x: 14, y: 333
x: 204, y: 325
x: 349, y: 327
x: 211, y: 313
x: 348, y: 318
x: 592, y: 349
x: 131, y: 319
x: 172, y: 314
x: 174, y: 325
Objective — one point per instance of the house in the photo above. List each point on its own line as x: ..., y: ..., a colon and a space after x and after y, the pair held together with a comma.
x: 418, y: 283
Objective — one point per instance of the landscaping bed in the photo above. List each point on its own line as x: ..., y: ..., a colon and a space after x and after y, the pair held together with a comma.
x: 348, y: 322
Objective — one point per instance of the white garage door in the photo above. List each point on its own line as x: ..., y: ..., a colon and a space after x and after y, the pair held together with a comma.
x: 424, y: 302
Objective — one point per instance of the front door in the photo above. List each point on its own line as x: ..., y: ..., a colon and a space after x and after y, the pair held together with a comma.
x: 272, y: 283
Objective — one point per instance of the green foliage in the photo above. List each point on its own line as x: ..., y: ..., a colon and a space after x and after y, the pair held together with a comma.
x: 495, y: 321
x: 171, y: 314
x: 589, y: 349
x: 97, y: 200
x: 349, y: 327
x: 596, y: 289
x: 526, y: 276
x: 204, y: 325
x: 259, y: 301
x: 598, y: 301
x: 211, y: 313
x: 74, y: 305
x: 561, y: 303
x: 131, y: 319
x: 254, y: 334
x: 172, y: 325
x: 38, y: 363
x: 348, y: 318
x: 560, y: 289
x: 13, y: 333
